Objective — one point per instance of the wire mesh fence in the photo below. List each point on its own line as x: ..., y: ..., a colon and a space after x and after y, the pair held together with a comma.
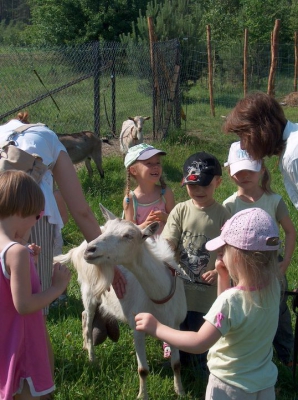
x: 96, y: 86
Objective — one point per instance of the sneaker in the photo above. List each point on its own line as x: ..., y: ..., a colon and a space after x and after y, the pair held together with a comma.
x: 290, y: 364
x: 166, y: 350
x: 61, y: 301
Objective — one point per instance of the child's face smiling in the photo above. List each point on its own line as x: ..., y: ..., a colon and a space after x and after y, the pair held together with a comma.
x: 148, y: 169
x: 203, y: 196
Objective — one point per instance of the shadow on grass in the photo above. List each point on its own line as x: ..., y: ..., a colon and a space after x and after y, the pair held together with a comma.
x: 193, y: 381
x: 71, y: 309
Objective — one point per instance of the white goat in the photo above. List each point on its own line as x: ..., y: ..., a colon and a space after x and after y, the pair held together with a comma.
x: 132, y: 132
x: 152, y: 286
x: 84, y: 146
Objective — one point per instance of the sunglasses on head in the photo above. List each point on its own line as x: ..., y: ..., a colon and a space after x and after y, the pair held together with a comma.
x: 40, y: 215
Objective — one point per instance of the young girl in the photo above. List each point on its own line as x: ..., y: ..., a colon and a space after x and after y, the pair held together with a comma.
x: 149, y: 201
x: 25, y: 367
x: 253, y: 190
x: 240, y: 326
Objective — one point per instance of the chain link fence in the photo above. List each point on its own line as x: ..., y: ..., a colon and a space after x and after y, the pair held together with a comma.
x: 228, y: 79
x: 96, y: 86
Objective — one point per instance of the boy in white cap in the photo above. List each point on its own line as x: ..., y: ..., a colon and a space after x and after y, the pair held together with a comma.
x: 253, y: 190
x: 189, y: 227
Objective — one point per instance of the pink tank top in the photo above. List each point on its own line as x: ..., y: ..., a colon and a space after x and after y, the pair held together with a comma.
x: 23, y: 346
x: 141, y: 211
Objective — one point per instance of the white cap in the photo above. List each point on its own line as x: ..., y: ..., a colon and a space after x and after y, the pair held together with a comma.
x: 141, y: 152
x: 240, y: 160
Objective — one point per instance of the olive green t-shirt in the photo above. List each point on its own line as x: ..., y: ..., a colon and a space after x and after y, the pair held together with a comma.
x: 188, y: 229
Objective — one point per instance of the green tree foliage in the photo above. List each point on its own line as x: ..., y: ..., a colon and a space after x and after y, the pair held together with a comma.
x: 12, y: 33
x: 78, y: 21
x: 293, y: 17
x: 229, y: 18
x: 14, y: 16
x: 14, y: 11
x: 259, y: 18
x: 56, y: 22
x: 223, y: 18
x: 173, y: 19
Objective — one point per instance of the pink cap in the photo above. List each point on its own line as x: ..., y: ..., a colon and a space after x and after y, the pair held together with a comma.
x: 250, y: 229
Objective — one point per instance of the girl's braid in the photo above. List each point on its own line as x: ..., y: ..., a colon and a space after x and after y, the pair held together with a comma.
x: 127, y: 188
x: 266, y: 180
x: 162, y: 184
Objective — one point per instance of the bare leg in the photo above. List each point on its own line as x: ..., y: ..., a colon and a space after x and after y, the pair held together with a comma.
x: 26, y: 394
x: 51, y: 358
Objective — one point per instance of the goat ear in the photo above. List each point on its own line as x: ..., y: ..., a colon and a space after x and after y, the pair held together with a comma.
x: 131, y: 118
x: 106, y: 213
x: 150, y: 230
x: 145, y: 118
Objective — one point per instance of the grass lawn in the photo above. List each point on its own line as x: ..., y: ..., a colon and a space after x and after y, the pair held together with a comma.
x: 114, y: 375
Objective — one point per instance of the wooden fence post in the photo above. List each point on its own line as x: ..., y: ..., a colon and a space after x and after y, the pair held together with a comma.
x: 274, y: 57
x: 113, y: 79
x: 152, y: 40
x: 210, y: 70
x: 296, y: 60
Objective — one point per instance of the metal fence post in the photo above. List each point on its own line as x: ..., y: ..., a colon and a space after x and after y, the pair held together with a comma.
x: 96, y: 87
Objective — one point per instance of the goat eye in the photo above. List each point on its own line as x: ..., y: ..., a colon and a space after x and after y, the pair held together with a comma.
x: 127, y: 236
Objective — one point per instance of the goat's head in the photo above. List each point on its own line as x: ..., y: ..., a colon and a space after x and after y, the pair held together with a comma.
x: 119, y: 242
x: 138, y: 123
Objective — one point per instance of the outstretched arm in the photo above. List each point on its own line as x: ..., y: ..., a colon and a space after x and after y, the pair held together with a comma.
x: 26, y: 302
x: 191, y: 342
x: 223, y: 279
x: 71, y: 190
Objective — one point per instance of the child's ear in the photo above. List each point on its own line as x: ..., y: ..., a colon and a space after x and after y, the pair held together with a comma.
x: 132, y: 170
x: 218, y: 181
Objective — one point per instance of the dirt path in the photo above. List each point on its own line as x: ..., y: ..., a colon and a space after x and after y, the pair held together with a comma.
x: 112, y: 149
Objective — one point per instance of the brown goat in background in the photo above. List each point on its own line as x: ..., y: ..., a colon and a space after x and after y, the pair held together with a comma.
x: 81, y: 146
x: 84, y: 146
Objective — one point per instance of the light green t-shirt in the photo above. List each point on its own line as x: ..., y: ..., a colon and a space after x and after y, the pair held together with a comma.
x: 242, y: 357
x: 272, y: 203
x: 188, y: 229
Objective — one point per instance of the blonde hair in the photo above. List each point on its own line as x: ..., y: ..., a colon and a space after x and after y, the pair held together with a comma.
x: 258, y: 269
x: 162, y: 182
x: 19, y: 194
x: 266, y: 179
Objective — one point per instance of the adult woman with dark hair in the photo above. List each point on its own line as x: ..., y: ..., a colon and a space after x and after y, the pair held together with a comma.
x: 263, y: 130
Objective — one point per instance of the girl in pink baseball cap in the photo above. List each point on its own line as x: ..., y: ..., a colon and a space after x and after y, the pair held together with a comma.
x: 241, y: 324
